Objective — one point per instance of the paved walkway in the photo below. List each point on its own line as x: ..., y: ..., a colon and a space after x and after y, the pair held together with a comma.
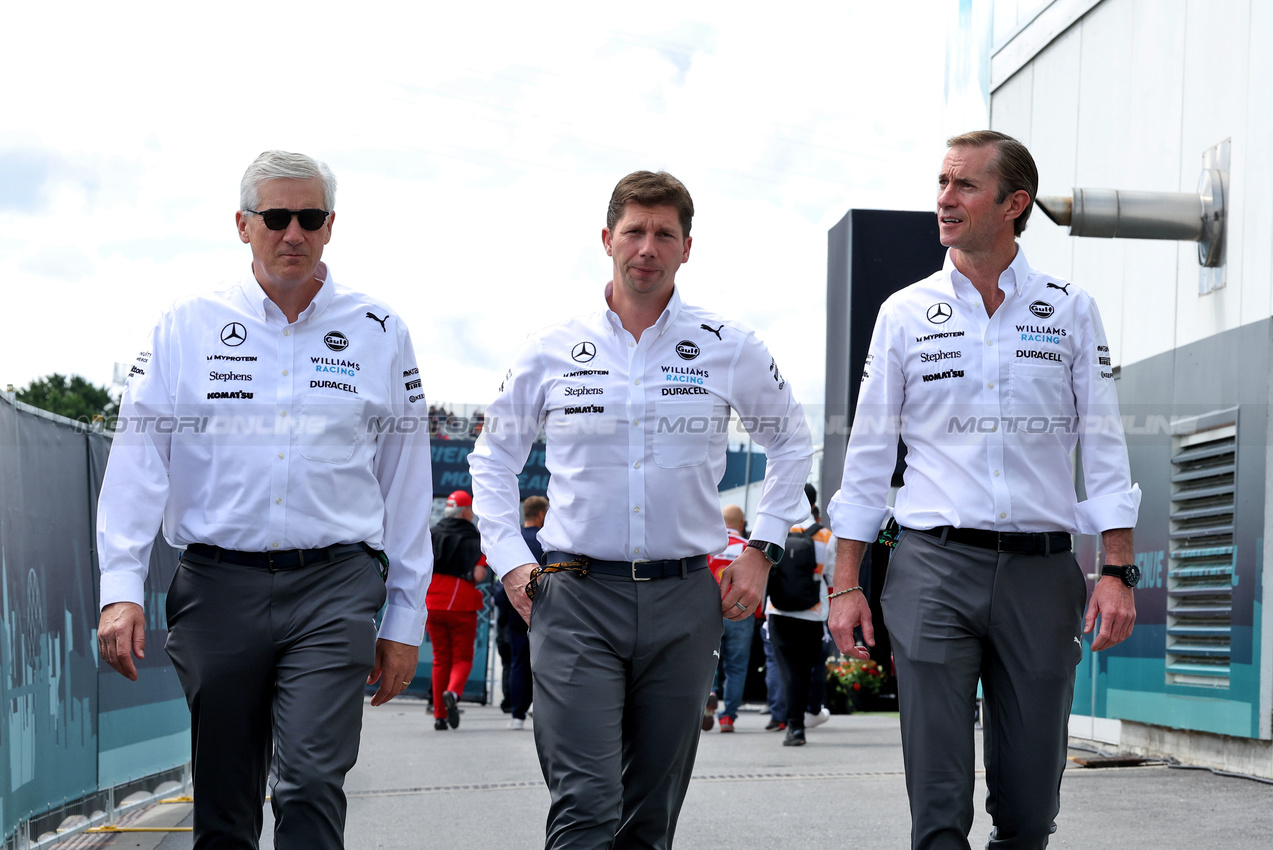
x: 479, y: 786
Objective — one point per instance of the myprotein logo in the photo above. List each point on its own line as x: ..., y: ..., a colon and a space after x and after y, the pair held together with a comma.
x: 1042, y: 309
x: 687, y: 350
x: 336, y: 341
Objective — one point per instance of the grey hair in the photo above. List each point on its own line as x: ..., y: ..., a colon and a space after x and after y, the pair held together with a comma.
x: 453, y: 511
x: 271, y: 165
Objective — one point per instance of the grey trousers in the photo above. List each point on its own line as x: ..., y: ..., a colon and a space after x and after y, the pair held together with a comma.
x: 273, y: 663
x: 956, y: 613
x: 620, y: 669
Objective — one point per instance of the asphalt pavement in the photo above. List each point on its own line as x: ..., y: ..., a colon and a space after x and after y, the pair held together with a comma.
x: 479, y: 786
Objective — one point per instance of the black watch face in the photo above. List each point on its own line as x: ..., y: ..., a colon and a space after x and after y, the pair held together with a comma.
x: 1131, y: 575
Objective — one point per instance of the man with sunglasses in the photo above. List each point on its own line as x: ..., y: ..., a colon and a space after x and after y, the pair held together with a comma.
x: 272, y: 426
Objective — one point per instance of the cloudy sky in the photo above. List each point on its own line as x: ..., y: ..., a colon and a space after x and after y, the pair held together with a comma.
x: 475, y: 148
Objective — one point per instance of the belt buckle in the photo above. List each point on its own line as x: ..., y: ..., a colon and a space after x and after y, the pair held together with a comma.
x: 640, y: 561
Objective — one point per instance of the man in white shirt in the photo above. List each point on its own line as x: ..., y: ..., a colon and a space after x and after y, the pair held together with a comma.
x: 989, y: 371
x: 272, y: 427
x: 635, y: 400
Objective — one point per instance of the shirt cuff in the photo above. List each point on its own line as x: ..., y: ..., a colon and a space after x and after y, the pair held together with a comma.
x: 403, y: 625
x: 510, y: 554
x: 855, y: 522
x: 771, y: 529
x: 1113, y: 510
x: 123, y: 586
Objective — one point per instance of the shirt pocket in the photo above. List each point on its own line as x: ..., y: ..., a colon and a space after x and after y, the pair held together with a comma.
x: 1039, y: 391
x: 330, y: 428
x: 682, y: 432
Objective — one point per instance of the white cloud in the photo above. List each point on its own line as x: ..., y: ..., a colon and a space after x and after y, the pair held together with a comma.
x: 475, y: 146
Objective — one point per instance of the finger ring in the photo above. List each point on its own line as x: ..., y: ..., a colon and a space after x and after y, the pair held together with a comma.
x: 406, y: 683
x: 740, y: 606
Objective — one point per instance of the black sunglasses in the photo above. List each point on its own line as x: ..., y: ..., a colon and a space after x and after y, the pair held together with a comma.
x: 280, y: 219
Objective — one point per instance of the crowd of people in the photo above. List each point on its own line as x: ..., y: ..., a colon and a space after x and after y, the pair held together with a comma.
x: 294, y: 541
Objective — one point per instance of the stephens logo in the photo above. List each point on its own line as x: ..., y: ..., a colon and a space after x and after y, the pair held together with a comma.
x: 1042, y: 309
x: 336, y: 341
x: 939, y: 313
x: 234, y: 334
x: 574, y: 391
x: 583, y: 352
x: 687, y: 350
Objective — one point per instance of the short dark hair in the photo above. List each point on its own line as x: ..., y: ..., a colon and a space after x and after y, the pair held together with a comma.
x: 534, y: 506
x: 1012, y: 164
x: 651, y: 189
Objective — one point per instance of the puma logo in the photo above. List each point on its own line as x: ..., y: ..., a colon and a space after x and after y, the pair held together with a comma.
x: 716, y: 652
x: 1076, y: 640
x: 1065, y: 289
x: 380, y: 320
x: 712, y: 329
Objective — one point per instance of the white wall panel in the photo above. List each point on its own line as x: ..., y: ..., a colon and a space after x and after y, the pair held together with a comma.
x: 1215, y: 105
x: 1010, y: 107
x: 1257, y: 170
x: 1053, y: 136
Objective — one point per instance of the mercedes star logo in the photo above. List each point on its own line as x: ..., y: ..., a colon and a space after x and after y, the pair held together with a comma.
x: 234, y: 334
x: 939, y: 313
x: 583, y: 352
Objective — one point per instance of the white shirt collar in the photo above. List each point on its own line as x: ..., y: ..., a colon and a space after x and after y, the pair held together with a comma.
x: 264, y: 307
x: 1014, y: 277
x: 669, y: 314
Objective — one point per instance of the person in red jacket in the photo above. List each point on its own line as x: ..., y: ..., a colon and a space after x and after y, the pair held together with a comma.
x: 453, y: 602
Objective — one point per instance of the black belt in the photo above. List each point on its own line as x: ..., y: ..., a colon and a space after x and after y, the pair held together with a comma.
x: 1017, y: 542
x: 284, y: 559
x: 636, y: 570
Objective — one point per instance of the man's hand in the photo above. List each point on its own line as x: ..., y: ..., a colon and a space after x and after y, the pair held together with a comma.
x: 120, y: 633
x: 1115, y: 603
x: 847, y: 613
x: 395, y: 667
x: 515, y: 581
x: 851, y: 609
x: 743, y: 583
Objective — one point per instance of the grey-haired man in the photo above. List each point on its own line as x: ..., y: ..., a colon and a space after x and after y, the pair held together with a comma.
x: 259, y: 425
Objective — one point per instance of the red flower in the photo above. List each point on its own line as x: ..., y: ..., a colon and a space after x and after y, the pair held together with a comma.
x: 857, y: 686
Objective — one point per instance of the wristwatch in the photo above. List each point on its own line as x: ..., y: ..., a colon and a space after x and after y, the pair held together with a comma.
x: 1129, y: 574
x: 772, y: 551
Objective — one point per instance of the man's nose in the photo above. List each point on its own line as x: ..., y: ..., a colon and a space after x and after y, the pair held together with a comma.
x: 294, y: 233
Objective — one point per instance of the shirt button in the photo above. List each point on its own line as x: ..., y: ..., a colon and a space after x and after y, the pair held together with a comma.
x: 280, y: 455
x: 284, y: 371
x: 636, y: 421
x: 637, y: 382
x: 274, y: 544
x: 996, y: 473
x: 636, y: 465
x: 636, y: 551
x: 282, y: 413
x: 637, y: 509
x: 994, y: 427
x: 990, y: 342
x: 991, y: 385
x: 631, y: 344
x: 1002, y: 516
x: 280, y: 501
x: 286, y: 332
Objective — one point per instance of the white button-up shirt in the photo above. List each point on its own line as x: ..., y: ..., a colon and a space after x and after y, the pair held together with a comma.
x: 990, y: 408
x: 242, y: 431
x: 636, y: 438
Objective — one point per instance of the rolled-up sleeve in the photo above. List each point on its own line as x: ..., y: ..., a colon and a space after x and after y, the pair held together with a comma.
x: 404, y: 468
x: 762, y: 397
x: 134, y: 491
x: 1113, y: 501
x: 512, y: 422
x: 860, y: 506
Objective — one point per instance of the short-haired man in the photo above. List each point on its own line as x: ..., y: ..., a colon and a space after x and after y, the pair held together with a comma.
x: 635, y: 400
x: 982, y: 582
x: 258, y: 425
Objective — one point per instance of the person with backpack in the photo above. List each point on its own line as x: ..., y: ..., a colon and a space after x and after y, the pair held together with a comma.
x: 797, y: 611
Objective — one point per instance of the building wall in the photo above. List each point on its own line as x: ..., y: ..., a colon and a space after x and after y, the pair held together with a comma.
x: 1129, y: 94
